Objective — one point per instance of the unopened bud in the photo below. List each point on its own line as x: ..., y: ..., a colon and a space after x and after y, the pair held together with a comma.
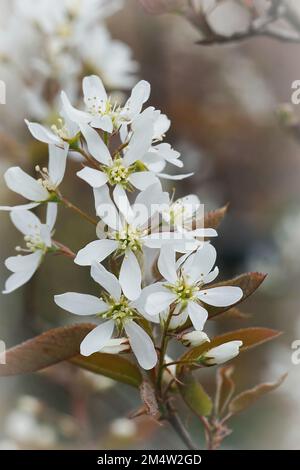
x: 194, y: 338
x: 223, y: 353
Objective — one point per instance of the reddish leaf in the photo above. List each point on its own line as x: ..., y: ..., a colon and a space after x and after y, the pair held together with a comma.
x: 225, y: 389
x: 195, y: 396
x: 250, y: 336
x: 233, y: 314
x: 247, y: 398
x: 45, y: 350
x: 214, y: 218
x: 62, y: 344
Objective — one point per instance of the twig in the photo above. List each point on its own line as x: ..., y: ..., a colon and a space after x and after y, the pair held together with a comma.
x: 76, y: 209
x: 177, y: 425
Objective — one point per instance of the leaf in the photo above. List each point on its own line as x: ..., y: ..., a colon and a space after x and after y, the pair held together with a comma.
x: 233, y: 314
x: 113, y: 366
x: 247, y: 398
x: 60, y: 344
x: 149, y: 399
x: 56, y: 345
x: 195, y: 396
x: 248, y: 282
x: 225, y: 389
x: 214, y: 218
x: 250, y: 336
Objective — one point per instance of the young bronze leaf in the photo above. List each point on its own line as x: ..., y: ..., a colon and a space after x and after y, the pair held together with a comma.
x: 232, y: 314
x: 225, y: 389
x: 56, y: 345
x: 214, y: 218
x: 113, y: 366
x: 248, y: 282
x: 195, y: 396
x: 249, y: 336
x: 247, y: 398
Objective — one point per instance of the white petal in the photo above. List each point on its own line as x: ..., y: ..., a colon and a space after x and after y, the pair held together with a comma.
x: 106, y: 209
x: 94, y: 178
x: 102, y: 122
x: 211, y: 276
x: 97, y: 250
x: 21, y: 207
x: 97, y: 338
x: 166, y: 264
x: 197, y: 314
x: 174, y: 177
x: 159, y: 301
x: 139, y: 95
x: 72, y: 113
x: 57, y: 163
x: 24, y: 263
x: 20, y: 182
x: 40, y: 132
x: 106, y: 279
x: 45, y: 234
x: 122, y: 202
x: 143, y: 179
x: 140, y: 143
x: 93, y: 88
x: 130, y: 276
x: 95, y: 144
x: 204, y: 232
x: 141, y: 345
x: 80, y: 304
x: 221, y: 296
x: 200, y: 263
x: 51, y: 215
x: 17, y: 280
x: 25, y: 221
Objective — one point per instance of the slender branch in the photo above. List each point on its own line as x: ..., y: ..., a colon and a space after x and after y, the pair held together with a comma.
x: 163, y: 348
x: 178, y: 426
x: 76, y: 209
x: 87, y: 157
x: 64, y: 250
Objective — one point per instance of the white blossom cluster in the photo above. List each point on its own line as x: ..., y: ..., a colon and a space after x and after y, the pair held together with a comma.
x: 124, y: 159
x: 49, y: 45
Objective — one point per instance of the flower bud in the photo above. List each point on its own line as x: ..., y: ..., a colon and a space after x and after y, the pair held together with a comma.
x: 194, y: 338
x: 116, y: 346
x: 223, y: 353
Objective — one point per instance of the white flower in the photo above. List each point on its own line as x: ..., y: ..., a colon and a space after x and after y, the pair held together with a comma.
x: 100, y: 112
x: 118, y: 312
x: 184, y: 286
x: 223, y: 353
x: 128, y: 232
x: 38, y: 241
x: 194, y: 338
x: 37, y: 190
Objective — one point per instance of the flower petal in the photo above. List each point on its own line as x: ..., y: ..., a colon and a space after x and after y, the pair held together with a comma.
x: 93, y: 88
x: 97, y: 250
x: 94, y: 178
x: 25, y: 221
x: 102, y: 122
x: 197, y: 314
x: 80, y: 304
x: 139, y: 95
x: 22, y: 183
x: 24, y: 263
x: 57, y: 163
x: 97, y: 338
x: 106, y: 279
x: 199, y: 264
x: 174, y: 177
x: 143, y: 179
x: 72, y: 113
x: 130, y: 276
x: 42, y: 134
x: 95, y: 144
x: 159, y: 301
x: 20, y: 207
x: 122, y: 202
x: 221, y: 296
x: 141, y: 345
x: 51, y: 215
x: 166, y: 264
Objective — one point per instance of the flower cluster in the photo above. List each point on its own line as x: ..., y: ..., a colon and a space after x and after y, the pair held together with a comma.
x: 123, y: 158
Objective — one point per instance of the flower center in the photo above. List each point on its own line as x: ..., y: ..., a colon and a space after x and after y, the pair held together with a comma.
x: 119, y: 311
x: 184, y: 291
x: 61, y: 130
x: 44, y: 179
x: 118, y: 173
x: 130, y: 237
x: 33, y: 242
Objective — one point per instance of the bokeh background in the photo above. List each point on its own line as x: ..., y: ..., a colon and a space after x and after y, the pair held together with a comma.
x: 222, y: 101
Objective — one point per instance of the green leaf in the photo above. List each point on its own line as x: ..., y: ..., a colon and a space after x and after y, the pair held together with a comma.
x: 225, y: 389
x: 61, y: 344
x: 247, y: 398
x: 195, y: 396
x: 111, y: 365
x: 250, y: 336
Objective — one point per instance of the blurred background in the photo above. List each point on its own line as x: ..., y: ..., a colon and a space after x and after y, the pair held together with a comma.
x: 222, y: 101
